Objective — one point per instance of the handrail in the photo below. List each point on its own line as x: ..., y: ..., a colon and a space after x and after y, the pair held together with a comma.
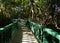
x: 7, y: 26
x: 42, y: 33
x: 7, y: 32
x: 55, y: 35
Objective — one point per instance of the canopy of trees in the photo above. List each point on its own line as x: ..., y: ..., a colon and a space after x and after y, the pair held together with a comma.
x: 40, y: 11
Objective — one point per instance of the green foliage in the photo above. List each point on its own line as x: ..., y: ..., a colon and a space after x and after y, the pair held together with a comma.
x: 13, y: 8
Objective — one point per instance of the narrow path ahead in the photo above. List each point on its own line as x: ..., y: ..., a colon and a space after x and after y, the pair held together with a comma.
x: 23, y: 35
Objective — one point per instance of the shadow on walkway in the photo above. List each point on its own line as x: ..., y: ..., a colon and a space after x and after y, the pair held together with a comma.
x: 17, y: 38
x: 23, y: 35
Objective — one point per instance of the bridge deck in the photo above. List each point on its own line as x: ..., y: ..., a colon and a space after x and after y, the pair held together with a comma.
x: 23, y: 35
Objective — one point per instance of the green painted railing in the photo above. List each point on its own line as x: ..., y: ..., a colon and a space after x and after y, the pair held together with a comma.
x: 7, y: 32
x: 42, y: 34
x: 51, y: 36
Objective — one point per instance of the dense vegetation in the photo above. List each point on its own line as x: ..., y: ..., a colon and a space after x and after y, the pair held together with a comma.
x: 45, y: 12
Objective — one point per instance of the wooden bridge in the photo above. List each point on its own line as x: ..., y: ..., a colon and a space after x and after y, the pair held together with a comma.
x: 23, y: 35
x: 23, y: 31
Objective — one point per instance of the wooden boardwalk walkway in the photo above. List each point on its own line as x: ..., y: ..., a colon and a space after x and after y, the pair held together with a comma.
x: 23, y: 35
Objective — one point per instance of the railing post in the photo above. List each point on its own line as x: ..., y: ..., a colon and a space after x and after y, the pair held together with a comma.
x: 43, y: 34
x: 52, y: 36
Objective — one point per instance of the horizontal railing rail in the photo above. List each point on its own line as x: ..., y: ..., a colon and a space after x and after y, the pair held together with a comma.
x: 7, y: 32
x: 43, y: 34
